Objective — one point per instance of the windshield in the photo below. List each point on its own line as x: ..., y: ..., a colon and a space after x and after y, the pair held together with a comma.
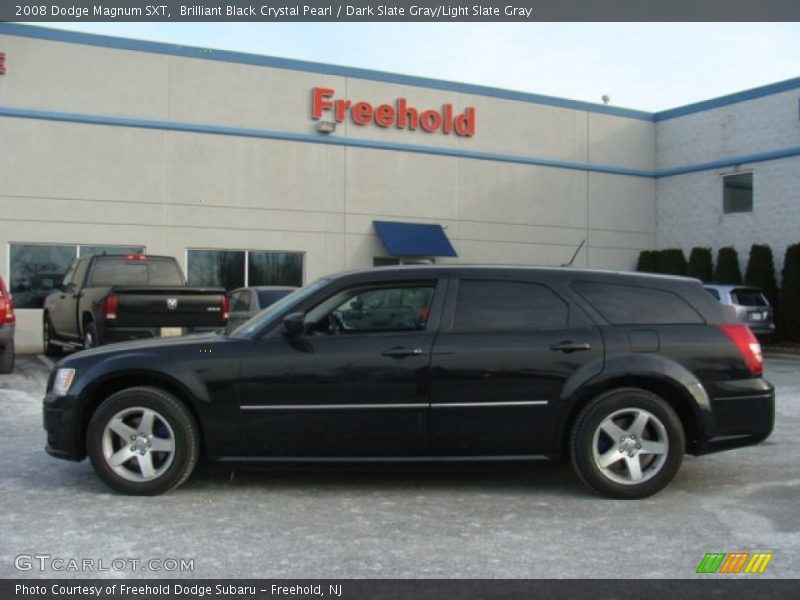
x: 266, y: 316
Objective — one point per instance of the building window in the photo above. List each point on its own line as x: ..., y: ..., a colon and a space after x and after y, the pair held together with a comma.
x: 275, y: 268
x: 233, y: 269
x: 737, y: 193
x: 37, y: 269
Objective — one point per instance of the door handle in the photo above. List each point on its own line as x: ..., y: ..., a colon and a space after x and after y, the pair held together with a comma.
x: 402, y: 352
x: 569, y: 346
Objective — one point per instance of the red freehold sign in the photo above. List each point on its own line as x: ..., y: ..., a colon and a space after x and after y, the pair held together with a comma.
x: 400, y: 114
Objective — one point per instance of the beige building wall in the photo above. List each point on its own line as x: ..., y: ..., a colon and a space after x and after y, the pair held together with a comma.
x: 79, y: 183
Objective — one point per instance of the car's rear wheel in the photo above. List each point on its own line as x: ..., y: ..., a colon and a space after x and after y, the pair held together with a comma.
x: 7, y: 358
x: 627, y: 443
x: 143, y: 441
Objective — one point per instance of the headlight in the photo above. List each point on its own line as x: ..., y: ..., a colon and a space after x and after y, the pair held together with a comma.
x: 63, y: 381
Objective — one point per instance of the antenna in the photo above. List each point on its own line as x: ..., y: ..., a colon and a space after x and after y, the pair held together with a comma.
x: 575, y: 255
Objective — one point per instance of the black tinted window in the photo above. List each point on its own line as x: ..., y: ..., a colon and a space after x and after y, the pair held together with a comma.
x: 633, y: 305
x: 748, y: 298
x: 267, y: 297
x: 507, y: 306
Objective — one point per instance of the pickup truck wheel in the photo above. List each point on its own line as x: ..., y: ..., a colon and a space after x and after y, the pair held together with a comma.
x: 627, y: 443
x: 90, y: 338
x: 143, y: 441
x: 50, y: 349
x: 7, y: 358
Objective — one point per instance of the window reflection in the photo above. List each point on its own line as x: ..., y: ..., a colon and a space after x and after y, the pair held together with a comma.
x: 216, y: 268
x: 36, y: 269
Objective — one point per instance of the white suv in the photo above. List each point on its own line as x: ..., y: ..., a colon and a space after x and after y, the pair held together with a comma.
x: 748, y: 305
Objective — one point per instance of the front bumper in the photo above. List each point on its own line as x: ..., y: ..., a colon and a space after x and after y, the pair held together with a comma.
x: 60, y: 423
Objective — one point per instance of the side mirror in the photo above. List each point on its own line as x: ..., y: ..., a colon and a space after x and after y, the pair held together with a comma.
x: 294, y: 324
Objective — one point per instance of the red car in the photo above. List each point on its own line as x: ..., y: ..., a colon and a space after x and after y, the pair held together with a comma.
x: 7, y: 322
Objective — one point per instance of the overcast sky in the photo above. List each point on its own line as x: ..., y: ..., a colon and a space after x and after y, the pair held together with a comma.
x: 647, y: 66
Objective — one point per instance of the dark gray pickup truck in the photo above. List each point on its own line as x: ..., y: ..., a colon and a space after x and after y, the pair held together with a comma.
x: 105, y: 299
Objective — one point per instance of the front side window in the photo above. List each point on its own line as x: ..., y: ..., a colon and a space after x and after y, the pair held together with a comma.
x: 507, y: 306
x: 737, y: 193
x: 373, y: 310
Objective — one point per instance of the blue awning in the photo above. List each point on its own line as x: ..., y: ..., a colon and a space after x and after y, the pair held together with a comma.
x: 414, y: 239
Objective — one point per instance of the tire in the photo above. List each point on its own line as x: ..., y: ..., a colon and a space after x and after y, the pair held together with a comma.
x: 627, y: 443
x: 123, y: 450
x: 49, y: 348
x: 7, y: 358
x: 90, y: 337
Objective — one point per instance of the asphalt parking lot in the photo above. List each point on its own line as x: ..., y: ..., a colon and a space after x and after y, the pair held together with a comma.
x: 489, y: 522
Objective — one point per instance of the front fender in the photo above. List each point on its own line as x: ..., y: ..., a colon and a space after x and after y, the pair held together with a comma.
x: 142, y: 363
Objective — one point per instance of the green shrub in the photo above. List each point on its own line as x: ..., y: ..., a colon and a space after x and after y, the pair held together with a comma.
x: 789, y: 305
x: 673, y: 262
x: 727, y: 270
x: 648, y: 261
x: 760, y: 272
x: 700, y: 264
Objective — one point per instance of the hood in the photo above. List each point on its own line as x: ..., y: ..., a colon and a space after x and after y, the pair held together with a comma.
x: 148, y: 344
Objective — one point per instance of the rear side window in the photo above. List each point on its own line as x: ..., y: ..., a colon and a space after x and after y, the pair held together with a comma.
x: 634, y: 305
x: 240, y: 301
x: 713, y: 292
x: 484, y: 305
x: 746, y: 297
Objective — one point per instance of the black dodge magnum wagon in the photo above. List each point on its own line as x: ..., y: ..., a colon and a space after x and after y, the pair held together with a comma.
x: 622, y: 373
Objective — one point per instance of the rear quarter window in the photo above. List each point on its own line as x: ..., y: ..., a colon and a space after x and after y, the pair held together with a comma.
x: 637, y: 305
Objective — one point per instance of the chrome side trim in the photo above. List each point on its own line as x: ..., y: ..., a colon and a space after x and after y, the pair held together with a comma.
x: 488, y: 404
x: 378, y: 459
x: 330, y: 406
x: 391, y: 406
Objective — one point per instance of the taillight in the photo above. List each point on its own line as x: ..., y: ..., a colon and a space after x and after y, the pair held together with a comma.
x: 6, y: 311
x: 10, y: 316
x: 226, y: 308
x: 747, y: 344
x: 110, y: 308
x: 135, y: 257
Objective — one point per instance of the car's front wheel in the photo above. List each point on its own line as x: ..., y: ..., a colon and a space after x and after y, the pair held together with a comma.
x: 627, y: 443
x: 143, y: 441
x: 48, y: 347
